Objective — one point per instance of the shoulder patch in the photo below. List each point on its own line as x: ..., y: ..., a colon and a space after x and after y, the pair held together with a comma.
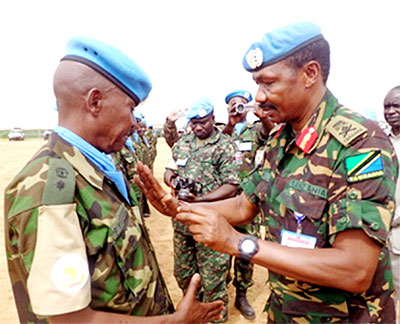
x: 364, y: 166
x: 60, y: 183
x: 344, y: 129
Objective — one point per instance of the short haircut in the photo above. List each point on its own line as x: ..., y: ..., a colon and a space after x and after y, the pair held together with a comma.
x: 317, y: 51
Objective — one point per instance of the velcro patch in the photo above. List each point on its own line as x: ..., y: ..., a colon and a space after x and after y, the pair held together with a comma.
x: 364, y: 166
x: 344, y: 129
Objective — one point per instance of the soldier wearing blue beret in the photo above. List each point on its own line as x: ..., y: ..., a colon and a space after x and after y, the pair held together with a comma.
x: 77, y: 248
x: 326, y: 192
x: 203, y: 168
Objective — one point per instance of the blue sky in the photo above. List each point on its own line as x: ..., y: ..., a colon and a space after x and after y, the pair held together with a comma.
x: 190, y: 48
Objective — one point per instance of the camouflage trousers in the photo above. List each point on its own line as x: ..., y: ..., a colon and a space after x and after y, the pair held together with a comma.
x: 191, y: 257
x: 243, y: 271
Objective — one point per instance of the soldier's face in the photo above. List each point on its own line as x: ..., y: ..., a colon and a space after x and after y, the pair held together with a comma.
x: 281, y: 93
x: 116, y: 121
x: 203, y: 127
x: 392, y: 108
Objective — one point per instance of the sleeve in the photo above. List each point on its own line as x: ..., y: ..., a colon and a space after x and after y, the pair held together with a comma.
x: 362, y: 188
x: 228, y: 168
x: 250, y: 184
x: 58, y: 281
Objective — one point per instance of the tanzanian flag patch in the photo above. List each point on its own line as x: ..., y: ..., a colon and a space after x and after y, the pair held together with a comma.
x: 364, y: 166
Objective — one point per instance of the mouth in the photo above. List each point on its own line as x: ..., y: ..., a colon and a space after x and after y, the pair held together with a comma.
x: 392, y: 119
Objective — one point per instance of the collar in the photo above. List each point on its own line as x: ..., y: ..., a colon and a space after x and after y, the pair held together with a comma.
x: 208, y: 141
x: 312, y: 132
x: 392, y: 135
x: 79, y: 162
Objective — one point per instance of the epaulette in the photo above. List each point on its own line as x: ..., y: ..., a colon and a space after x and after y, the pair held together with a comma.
x: 60, y: 183
x: 344, y: 129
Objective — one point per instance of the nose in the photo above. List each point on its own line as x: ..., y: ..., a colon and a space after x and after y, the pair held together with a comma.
x: 261, y: 96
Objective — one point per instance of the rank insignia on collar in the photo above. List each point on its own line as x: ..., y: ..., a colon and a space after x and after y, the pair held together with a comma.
x: 307, y: 139
x: 279, y: 127
x: 364, y: 166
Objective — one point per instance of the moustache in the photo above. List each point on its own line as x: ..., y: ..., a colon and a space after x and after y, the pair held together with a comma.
x: 267, y: 106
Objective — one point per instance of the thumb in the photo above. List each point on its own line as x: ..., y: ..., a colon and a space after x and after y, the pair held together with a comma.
x: 194, y: 284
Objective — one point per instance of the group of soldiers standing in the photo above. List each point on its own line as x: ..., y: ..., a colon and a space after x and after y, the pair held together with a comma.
x: 216, y: 162
x: 141, y: 146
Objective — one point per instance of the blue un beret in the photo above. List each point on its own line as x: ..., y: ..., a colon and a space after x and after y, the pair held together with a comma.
x: 200, y: 108
x: 279, y: 44
x: 138, y: 115
x: 112, y: 64
x: 239, y: 93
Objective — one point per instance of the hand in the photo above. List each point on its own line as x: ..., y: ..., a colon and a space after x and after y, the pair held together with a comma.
x: 176, y: 114
x: 189, y: 310
x: 209, y: 228
x: 163, y: 201
x: 233, y: 117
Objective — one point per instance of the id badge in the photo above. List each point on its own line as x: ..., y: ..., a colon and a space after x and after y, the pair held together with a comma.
x: 238, y: 158
x: 297, y: 240
x: 259, y: 159
x: 245, y: 146
x: 181, y: 162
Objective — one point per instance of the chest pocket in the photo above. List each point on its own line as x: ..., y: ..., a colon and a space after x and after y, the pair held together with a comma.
x: 303, y: 197
x: 132, y: 259
x: 125, y: 232
x: 121, y: 236
x: 307, y: 199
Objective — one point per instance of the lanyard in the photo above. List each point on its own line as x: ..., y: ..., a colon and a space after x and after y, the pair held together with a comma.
x: 299, y: 217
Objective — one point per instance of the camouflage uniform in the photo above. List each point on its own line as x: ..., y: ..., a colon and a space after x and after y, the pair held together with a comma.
x: 124, y: 274
x: 249, y: 141
x: 335, y: 194
x: 142, y: 151
x: 152, y: 140
x: 126, y: 160
x: 210, y: 165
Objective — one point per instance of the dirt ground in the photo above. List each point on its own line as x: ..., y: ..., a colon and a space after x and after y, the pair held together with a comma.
x: 13, y: 157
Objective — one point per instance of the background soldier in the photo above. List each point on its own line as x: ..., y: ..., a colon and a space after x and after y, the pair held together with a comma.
x: 206, y: 159
x: 125, y: 160
x: 142, y: 149
x: 391, y: 106
x: 152, y: 139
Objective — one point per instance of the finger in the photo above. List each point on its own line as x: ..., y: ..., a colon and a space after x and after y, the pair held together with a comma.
x: 193, y: 285
x: 149, y: 181
x: 214, y: 310
x: 189, y: 218
x: 199, y: 238
x: 195, y: 209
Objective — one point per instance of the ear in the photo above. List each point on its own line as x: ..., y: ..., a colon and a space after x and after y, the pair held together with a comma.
x: 312, y: 70
x: 94, y: 101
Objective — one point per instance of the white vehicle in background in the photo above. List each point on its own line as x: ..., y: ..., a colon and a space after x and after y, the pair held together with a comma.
x: 46, y: 134
x: 16, y: 134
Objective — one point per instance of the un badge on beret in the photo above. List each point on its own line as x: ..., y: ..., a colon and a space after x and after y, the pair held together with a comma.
x: 254, y: 58
x: 202, y: 113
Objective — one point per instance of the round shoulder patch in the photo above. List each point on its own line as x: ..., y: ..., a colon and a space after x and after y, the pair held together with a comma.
x: 70, y: 273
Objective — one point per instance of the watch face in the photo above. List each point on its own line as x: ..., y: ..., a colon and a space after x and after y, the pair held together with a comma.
x: 248, y: 246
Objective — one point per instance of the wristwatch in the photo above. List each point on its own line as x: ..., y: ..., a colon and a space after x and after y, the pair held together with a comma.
x: 247, y: 247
